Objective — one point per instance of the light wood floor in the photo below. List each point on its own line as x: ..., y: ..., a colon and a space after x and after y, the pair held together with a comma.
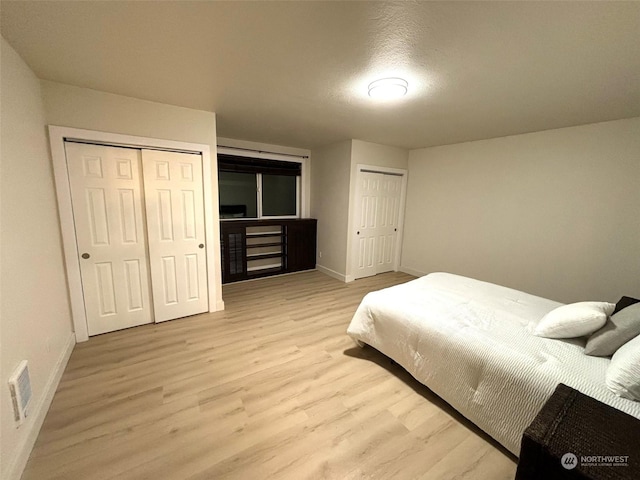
x: 270, y: 388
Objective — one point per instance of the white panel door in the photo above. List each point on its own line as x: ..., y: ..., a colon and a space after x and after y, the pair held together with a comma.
x: 377, y: 214
x: 175, y: 226
x: 106, y: 192
x: 367, y: 224
x: 387, y: 223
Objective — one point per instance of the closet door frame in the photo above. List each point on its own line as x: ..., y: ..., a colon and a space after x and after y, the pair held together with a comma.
x: 352, y: 222
x: 57, y: 137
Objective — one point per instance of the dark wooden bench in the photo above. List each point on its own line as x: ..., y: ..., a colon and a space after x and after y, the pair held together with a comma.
x: 575, y: 436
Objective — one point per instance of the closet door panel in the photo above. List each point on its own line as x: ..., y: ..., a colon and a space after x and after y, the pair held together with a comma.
x: 175, y: 226
x: 106, y: 193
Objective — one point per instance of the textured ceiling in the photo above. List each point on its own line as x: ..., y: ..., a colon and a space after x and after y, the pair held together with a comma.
x: 295, y: 73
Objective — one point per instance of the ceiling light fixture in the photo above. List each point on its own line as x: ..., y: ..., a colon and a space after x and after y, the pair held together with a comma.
x: 387, y: 88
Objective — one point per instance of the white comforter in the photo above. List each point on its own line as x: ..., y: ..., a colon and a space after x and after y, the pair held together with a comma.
x: 470, y: 342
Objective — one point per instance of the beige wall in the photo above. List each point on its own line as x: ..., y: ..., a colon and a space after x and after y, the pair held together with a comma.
x: 332, y: 199
x: 553, y: 213
x: 76, y: 107
x: 330, y: 205
x: 35, y: 319
x: 378, y: 155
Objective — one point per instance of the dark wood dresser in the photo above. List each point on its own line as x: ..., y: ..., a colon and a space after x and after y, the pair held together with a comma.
x: 260, y: 248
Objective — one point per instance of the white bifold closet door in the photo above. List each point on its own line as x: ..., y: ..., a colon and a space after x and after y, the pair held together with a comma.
x: 139, y: 220
x: 175, y: 222
x: 377, y: 215
x: 106, y: 192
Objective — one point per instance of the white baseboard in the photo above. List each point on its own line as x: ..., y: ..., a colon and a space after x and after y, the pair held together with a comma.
x: 411, y: 271
x: 270, y: 276
x: 331, y: 273
x: 219, y: 305
x: 38, y: 413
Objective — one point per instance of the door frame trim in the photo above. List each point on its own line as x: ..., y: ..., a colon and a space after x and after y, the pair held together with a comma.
x: 351, y: 238
x: 57, y: 136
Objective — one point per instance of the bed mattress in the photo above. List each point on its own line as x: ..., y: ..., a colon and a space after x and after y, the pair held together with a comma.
x: 470, y: 342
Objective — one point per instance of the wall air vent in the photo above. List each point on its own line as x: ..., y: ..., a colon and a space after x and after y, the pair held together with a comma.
x: 20, y: 386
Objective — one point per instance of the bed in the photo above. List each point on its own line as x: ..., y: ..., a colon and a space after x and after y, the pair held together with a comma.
x: 470, y: 343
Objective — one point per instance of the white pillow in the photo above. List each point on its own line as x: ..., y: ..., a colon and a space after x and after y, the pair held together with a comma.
x: 623, y: 373
x: 574, y: 320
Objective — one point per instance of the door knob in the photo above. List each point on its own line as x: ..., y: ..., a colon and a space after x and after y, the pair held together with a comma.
x: 85, y: 255
x: 201, y: 245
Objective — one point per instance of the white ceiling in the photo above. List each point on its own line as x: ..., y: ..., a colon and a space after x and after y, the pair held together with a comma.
x: 295, y: 73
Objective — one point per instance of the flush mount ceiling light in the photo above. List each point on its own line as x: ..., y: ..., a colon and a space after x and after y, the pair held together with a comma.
x: 387, y: 88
